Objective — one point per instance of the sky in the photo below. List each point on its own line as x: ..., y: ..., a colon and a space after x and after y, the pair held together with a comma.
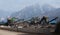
x: 16, y: 5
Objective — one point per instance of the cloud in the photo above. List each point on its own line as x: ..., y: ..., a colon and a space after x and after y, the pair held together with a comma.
x: 15, y: 5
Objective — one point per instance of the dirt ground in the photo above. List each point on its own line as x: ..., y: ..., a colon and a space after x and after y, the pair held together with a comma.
x: 5, y: 32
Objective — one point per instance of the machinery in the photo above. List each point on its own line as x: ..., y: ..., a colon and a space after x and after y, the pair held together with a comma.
x: 42, y: 26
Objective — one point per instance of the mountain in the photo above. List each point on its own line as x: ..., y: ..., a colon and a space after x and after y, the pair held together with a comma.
x: 29, y: 12
x: 37, y: 10
x: 51, y: 11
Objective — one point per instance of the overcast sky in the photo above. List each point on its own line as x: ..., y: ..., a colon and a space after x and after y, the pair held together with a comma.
x: 16, y: 5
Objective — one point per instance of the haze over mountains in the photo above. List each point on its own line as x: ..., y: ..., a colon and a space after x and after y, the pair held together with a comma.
x: 4, y: 14
x: 37, y: 10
